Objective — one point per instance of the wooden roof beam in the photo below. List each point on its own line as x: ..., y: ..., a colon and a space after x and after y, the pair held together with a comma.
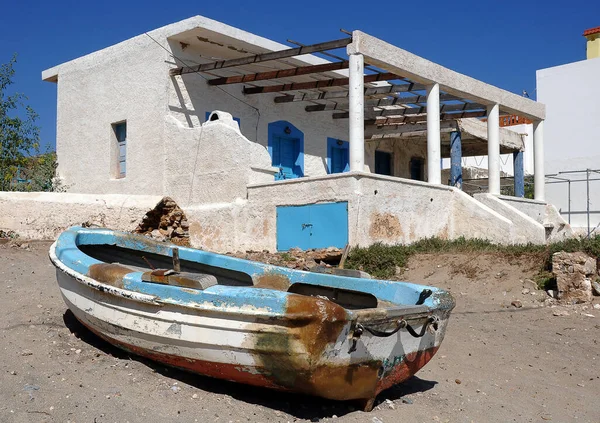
x: 396, y: 100
x: 399, y: 120
x: 331, y: 95
x: 280, y: 73
x: 336, y: 82
x: 391, y: 131
x: 415, y: 110
x: 264, y: 57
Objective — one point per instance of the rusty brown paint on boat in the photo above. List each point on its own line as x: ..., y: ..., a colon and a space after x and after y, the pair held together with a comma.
x: 109, y: 273
x: 272, y: 281
x: 294, y: 359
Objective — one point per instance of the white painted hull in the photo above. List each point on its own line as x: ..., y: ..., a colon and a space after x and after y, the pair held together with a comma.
x: 239, y: 344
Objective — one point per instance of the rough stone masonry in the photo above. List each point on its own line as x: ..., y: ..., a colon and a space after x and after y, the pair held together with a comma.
x: 166, y: 222
x: 575, y: 273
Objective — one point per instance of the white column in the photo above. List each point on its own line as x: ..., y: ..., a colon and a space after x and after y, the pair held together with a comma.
x: 356, y: 87
x: 434, y: 148
x: 539, y: 178
x: 493, y: 133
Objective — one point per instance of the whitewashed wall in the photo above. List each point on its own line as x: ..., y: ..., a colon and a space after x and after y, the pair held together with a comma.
x: 123, y: 82
x: 572, y: 132
x: 380, y: 209
x: 129, y: 82
x: 191, y: 93
x: 44, y: 215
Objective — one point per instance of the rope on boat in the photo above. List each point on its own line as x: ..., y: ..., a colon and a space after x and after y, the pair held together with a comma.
x: 431, y: 320
x: 402, y: 324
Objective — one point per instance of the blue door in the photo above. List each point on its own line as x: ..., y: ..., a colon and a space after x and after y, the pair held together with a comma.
x: 338, y: 157
x: 285, y: 154
x: 312, y: 226
x: 286, y: 147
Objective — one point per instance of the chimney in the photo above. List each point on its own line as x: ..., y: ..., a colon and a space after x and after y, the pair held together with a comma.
x: 593, y: 42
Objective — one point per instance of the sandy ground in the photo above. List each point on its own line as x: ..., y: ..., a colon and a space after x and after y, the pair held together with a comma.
x: 497, y: 363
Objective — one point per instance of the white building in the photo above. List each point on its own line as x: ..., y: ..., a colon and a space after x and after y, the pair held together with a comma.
x: 307, y: 152
x: 571, y: 93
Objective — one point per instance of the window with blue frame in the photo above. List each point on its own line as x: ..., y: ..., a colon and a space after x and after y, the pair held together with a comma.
x: 236, y: 119
x: 120, y: 131
x: 338, y: 156
x: 286, y: 147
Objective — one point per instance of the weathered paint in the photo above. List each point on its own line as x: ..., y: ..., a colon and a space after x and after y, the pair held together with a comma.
x: 109, y: 273
x: 456, y: 160
x: 68, y: 253
x: 264, y: 337
x: 519, y: 183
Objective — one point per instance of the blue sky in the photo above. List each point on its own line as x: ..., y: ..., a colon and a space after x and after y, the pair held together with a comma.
x: 502, y: 43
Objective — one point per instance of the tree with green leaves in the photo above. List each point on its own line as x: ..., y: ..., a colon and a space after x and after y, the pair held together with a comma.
x: 19, y: 134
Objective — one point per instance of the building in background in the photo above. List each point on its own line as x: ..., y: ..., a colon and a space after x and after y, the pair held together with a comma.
x: 267, y: 146
x: 571, y: 94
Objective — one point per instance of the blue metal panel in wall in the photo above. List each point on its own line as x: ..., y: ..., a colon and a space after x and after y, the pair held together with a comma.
x: 293, y: 227
x: 329, y: 225
x: 312, y: 226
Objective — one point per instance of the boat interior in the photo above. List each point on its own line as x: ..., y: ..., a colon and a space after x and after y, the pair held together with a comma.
x: 159, y: 268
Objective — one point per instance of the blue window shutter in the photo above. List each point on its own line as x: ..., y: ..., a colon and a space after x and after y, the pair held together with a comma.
x: 338, y: 156
x: 121, y: 135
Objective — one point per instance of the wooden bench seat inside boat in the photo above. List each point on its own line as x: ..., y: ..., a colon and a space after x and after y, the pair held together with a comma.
x: 184, y: 279
x: 113, y: 273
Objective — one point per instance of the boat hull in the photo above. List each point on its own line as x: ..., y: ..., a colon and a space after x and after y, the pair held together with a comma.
x: 302, y: 343
x: 240, y: 351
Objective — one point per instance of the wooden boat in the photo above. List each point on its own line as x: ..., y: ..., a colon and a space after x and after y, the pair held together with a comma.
x: 338, y: 337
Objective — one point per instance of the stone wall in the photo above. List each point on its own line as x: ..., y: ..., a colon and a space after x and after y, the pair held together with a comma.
x: 166, y: 222
x: 575, y: 273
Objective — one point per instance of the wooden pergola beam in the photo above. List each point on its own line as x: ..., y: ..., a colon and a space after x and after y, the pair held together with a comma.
x: 280, y: 73
x: 395, y: 88
x: 406, y: 128
x: 332, y: 95
x: 396, y: 100
x: 422, y: 118
x: 335, y: 82
x: 415, y: 110
x: 264, y: 57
